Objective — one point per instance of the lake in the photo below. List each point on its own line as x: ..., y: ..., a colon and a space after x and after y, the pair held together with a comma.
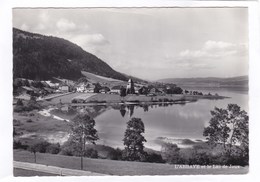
x: 164, y: 122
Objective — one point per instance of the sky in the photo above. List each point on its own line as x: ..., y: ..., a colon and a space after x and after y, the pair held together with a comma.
x: 151, y: 43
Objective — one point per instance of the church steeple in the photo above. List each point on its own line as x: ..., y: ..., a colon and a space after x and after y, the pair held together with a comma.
x: 130, y: 89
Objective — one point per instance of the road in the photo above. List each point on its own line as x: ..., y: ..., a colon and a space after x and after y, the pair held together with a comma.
x: 53, y: 96
x: 53, y: 169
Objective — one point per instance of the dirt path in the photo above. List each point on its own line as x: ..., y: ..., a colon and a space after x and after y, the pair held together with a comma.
x: 53, y: 169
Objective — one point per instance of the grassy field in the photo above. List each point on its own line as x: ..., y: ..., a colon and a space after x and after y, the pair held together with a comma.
x: 33, y: 127
x: 97, y: 78
x: 33, y: 121
x: 64, y: 99
x: 121, y: 167
x: 114, y: 98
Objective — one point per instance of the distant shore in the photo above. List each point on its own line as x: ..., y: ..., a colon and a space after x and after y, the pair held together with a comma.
x: 107, y: 99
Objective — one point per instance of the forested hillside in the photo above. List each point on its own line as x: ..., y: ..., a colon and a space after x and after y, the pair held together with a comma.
x: 37, y: 56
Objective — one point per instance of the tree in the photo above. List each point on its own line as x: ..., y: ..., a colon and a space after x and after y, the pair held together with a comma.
x: 218, y: 130
x: 82, y: 131
x: 53, y: 148
x: 170, y: 153
x: 33, y: 104
x: 174, y: 90
x: 133, y: 140
x: 130, y: 89
x: 230, y: 128
x: 143, y: 90
x: 122, y: 112
x: 122, y: 92
x: 131, y: 109
x: 39, y: 147
x: 34, y: 149
x: 97, y: 88
x: 19, y: 102
x: 177, y: 90
x: 37, y: 84
x: 238, y: 123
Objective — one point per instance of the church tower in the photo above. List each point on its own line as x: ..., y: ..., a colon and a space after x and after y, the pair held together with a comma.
x: 130, y: 89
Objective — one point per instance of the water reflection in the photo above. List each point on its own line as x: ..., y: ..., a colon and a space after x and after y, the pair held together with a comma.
x: 130, y: 108
x: 163, y: 121
x: 68, y: 112
x: 122, y: 112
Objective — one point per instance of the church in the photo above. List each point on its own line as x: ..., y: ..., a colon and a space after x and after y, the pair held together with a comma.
x: 130, y: 89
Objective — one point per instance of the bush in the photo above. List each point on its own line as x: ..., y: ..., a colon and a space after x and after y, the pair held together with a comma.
x: 66, y: 151
x: 32, y: 104
x: 115, y: 154
x: 19, y: 145
x: 171, y: 153
x: 40, y: 147
x: 141, y: 156
x: 29, y: 121
x: 18, y: 108
x: 237, y: 157
x: 74, y: 101
x: 153, y: 157
x: 17, y: 122
x: 133, y: 101
x: 70, y: 148
x: 19, y: 102
x: 53, y: 148
x: 102, y: 101
x: 92, y: 101
x: 200, y: 158
x: 166, y: 100
x: 92, y: 153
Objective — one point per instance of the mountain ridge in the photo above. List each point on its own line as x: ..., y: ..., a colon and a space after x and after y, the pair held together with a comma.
x: 238, y: 81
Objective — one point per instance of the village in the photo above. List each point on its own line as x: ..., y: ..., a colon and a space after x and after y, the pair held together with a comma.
x: 103, y: 89
x: 24, y: 88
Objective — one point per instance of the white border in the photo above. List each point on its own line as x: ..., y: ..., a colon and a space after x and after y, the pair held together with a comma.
x: 6, y: 84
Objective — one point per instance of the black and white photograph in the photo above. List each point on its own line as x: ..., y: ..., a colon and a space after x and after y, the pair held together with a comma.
x: 130, y: 91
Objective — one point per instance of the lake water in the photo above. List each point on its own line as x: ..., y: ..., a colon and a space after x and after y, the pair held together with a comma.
x: 171, y: 123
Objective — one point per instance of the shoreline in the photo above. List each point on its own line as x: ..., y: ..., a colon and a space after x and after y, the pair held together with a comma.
x: 110, y: 99
x: 126, y: 103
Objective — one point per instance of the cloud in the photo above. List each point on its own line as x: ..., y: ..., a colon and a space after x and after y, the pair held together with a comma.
x: 92, y: 43
x: 194, y: 54
x: 25, y: 27
x: 44, y: 17
x: 40, y: 27
x: 65, y: 25
x: 95, y: 39
x: 218, y: 45
x: 90, y: 39
x: 212, y: 57
x: 214, y: 49
x: 129, y: 11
